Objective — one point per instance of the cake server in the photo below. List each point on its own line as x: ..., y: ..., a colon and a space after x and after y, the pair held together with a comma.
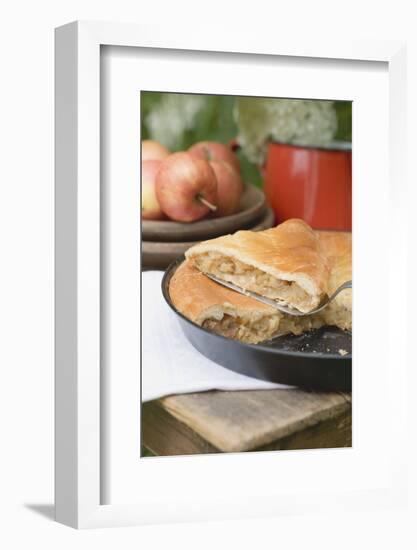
x: 273, y: 303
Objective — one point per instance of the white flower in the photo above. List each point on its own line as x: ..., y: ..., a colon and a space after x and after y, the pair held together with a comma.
x: 172, y: 116
x: 302, y: 122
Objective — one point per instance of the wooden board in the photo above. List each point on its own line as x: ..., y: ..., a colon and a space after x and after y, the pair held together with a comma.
x: 246, y: 421
x: 252, y: 206
x: 160, y: 255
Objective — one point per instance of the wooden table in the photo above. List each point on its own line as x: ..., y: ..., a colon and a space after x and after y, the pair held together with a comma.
x: 224, y: 422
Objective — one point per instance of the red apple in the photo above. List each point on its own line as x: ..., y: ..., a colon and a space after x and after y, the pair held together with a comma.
x: 229, y: 188
x: 212, y: 150
x: 150, y: 205
x: 186, y: 187
x: 152, y: 150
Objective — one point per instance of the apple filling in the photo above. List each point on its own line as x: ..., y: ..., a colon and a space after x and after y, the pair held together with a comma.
x: 265, y: 328
x: 252, y: 278
x: 244, y: 330
x: 338, y: 314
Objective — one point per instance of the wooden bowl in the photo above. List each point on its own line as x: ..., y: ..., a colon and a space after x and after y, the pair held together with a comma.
x: 158, y: 255
x: 251, y: 207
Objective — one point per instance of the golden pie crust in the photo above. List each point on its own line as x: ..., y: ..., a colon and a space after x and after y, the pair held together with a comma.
x: 285, y: 263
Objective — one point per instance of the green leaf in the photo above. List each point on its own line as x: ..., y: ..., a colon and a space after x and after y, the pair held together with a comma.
x: 344, y: 120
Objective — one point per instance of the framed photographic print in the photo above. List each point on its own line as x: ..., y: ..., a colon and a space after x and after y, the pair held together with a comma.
x: 216, y: 201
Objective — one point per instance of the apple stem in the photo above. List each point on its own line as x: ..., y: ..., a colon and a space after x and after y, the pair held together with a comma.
x: 206, y: 203
x: 207, y: 154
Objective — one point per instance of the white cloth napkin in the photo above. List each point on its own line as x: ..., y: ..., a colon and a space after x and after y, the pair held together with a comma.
x: 170, y: 364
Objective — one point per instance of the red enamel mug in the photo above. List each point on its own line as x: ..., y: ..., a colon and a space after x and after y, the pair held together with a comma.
x: 314, y: 184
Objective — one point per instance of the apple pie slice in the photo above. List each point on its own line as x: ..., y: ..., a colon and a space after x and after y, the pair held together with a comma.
x: 285, y: 263
x: 228, y: 313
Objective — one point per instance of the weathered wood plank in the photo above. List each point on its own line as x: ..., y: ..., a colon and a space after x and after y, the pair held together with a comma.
x: 330, y: 434
x: 248, y: 420
x: 164, y: 435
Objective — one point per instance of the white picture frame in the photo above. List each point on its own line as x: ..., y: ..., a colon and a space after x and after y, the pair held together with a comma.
x: 81, y: 443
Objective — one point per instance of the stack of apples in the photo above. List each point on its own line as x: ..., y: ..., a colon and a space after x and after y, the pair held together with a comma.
x: 189, y: 185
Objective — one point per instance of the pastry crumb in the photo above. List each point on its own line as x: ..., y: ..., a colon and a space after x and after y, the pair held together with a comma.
x: 343, y: 352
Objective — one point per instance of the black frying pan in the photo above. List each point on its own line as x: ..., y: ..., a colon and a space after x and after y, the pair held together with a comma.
x: 311, y: 360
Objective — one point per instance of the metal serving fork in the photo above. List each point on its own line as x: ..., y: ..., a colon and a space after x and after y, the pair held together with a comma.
x: 285, y: 309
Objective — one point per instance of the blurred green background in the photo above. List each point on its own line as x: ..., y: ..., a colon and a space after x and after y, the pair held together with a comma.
x: 180, y: 120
